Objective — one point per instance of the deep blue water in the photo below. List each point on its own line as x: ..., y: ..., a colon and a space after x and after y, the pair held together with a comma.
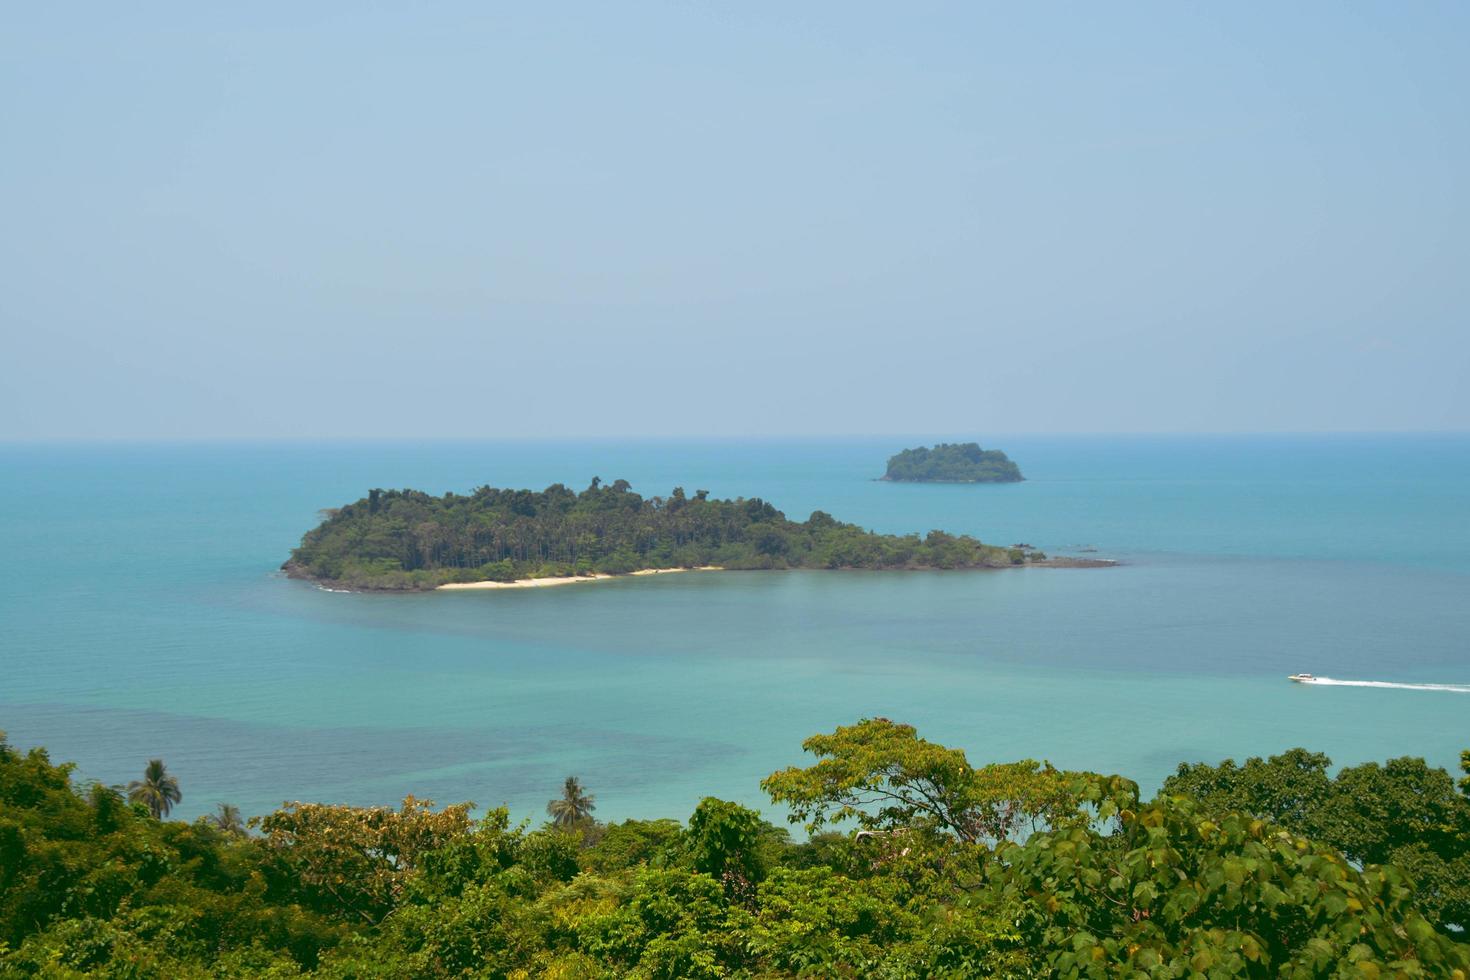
x: 141, y: 615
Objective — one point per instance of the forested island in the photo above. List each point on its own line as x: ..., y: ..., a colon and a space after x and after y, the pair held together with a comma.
x: 915, y: 863
x: 952, y: 462
x: 409, y: 540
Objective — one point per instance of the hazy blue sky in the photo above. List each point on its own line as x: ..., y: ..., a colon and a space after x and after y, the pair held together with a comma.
x: 735, y: 219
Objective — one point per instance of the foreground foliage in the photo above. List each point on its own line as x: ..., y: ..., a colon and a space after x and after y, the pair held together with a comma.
x: 1017, y: 870
x: 1402, y: 812
x: 952, y: 462
x: 405, y: 539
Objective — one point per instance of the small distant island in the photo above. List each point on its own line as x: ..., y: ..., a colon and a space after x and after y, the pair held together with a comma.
x: 952, y: 462
x: 410, y: 540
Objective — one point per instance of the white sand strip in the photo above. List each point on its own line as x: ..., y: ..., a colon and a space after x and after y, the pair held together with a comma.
x: 536, y: 583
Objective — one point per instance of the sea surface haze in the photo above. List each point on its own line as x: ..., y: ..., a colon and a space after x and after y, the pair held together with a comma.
x: 142, y: 615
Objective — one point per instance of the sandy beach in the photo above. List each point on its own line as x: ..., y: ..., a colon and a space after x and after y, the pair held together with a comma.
x: 536, y: 583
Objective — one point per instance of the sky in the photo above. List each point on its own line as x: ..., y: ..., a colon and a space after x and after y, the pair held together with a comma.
x: 264, y: 220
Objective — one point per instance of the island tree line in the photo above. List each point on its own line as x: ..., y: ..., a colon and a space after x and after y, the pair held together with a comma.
x: 952, y: 462
x: 407, y: 539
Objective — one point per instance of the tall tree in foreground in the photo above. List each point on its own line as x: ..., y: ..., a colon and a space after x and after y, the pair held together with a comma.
x: 157, y: 790
x: 881, y: 775
x: 226, y: 818
x: 574, y: 806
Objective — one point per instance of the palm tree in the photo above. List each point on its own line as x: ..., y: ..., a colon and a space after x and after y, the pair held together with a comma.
x: 226, y: 818
x: 573, y: 807
x: 157, y: 790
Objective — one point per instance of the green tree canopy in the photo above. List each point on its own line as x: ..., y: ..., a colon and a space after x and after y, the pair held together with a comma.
x: 354, y: 861
x: 1176, y: 891
x: 1402, y: 812
x: 1104, y: 886
x: 883, y: 776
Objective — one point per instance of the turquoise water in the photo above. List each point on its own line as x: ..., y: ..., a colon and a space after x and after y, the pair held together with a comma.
x: 141, y: 615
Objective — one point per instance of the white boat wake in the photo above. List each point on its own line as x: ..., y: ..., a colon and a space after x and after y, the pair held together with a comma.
x: 1334, y: 682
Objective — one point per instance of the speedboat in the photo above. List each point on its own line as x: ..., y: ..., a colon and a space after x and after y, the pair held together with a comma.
x: 1301, y: 678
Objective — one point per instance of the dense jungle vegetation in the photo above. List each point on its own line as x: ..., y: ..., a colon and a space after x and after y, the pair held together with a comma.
x: 953, y: 462
x: 941, y: 869
x: 405, y: 539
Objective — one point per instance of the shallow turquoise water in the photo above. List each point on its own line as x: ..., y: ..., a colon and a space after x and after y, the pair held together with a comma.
x: 141, y: 615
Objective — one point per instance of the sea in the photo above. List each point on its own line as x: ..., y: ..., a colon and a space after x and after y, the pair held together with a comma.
x: 143, y: 615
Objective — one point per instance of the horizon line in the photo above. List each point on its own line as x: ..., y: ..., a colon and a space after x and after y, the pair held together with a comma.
x: 134, y: 440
